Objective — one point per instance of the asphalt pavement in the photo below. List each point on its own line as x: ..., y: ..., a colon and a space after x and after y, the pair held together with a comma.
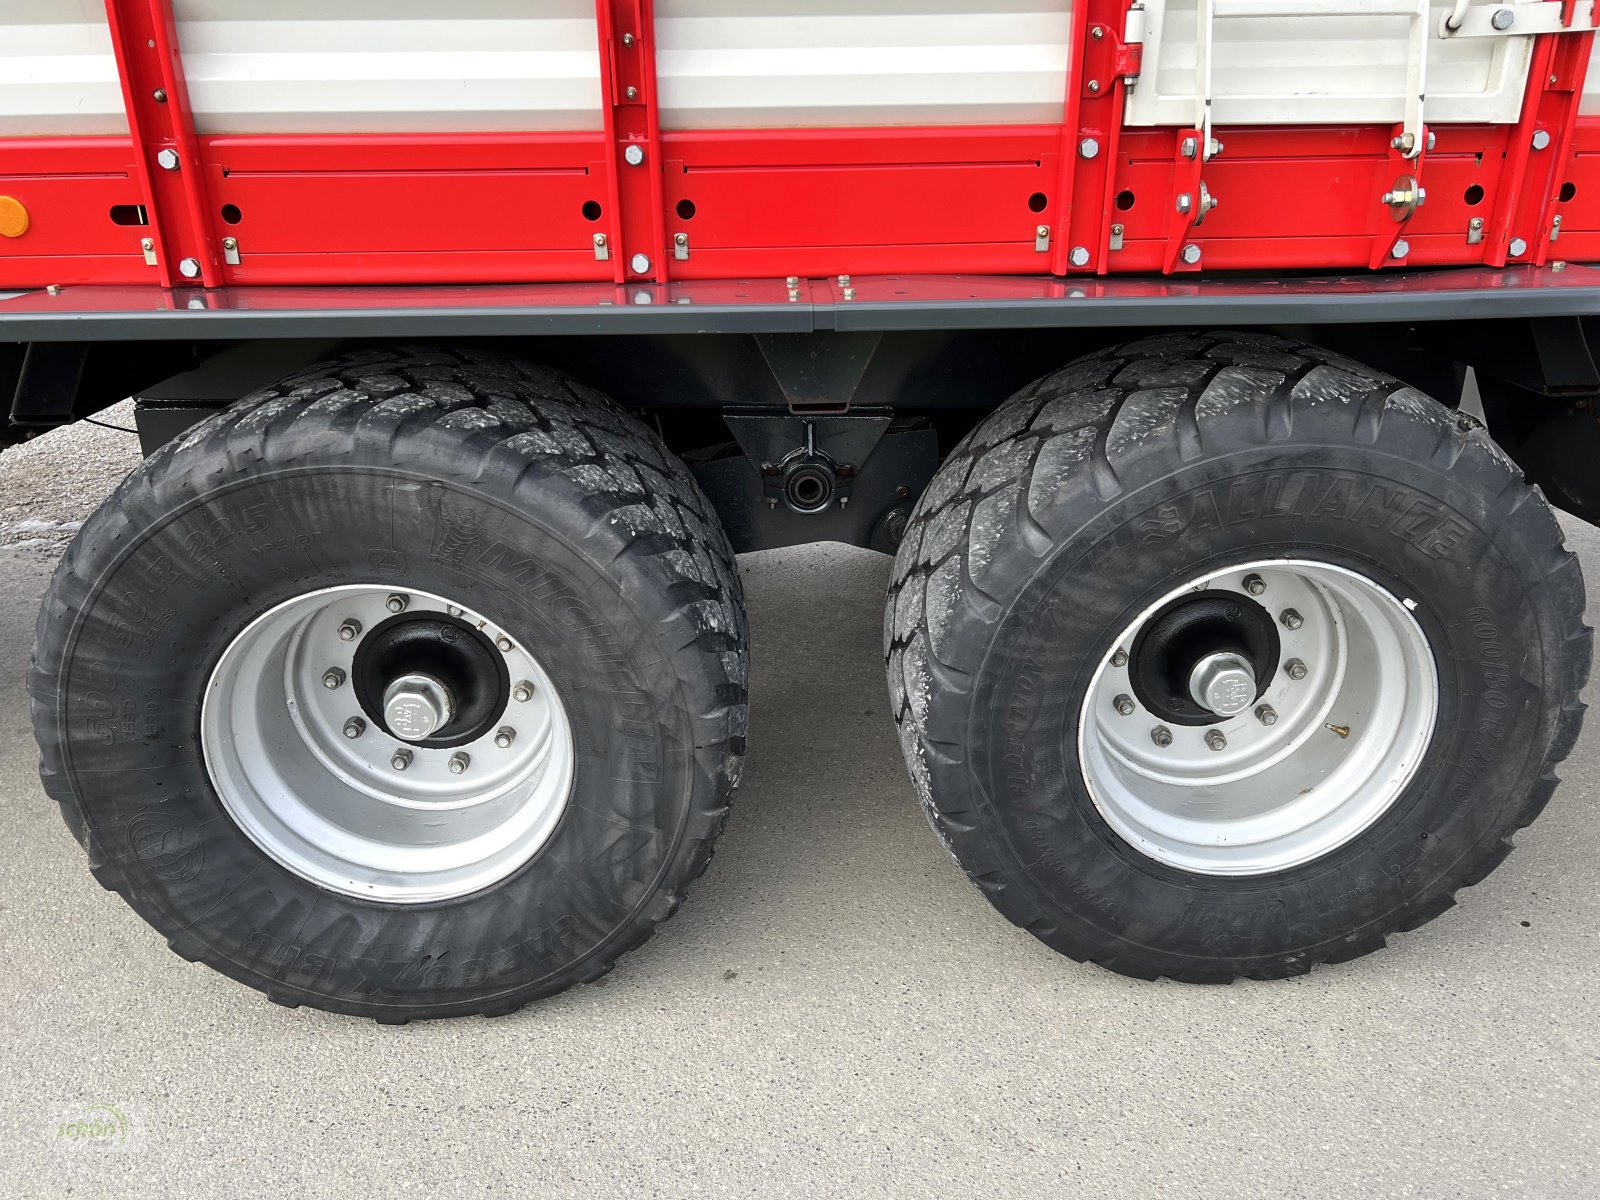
x: 835, y: 1011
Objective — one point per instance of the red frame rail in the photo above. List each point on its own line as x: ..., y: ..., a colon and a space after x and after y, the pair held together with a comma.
x: 166, y: 206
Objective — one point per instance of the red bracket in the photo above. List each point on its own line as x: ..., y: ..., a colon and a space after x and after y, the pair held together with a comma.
x: 1188, y: 200
x: 169, y: 169
x: 637, y: 230
x: 1386, y: 231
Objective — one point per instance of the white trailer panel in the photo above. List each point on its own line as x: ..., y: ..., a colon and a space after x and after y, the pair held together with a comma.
x: 58, y: 74
x: 727, y: 64
x: 413, y: 66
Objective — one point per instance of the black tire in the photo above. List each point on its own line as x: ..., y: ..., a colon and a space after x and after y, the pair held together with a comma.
x: 1091, y: 493
x: 471, y: 474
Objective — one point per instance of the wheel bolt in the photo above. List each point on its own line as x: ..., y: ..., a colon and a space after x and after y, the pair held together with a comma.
x: 504, y: 736
x: 1124, y: 705
x: 401, y: 760
x: 459, y: 762
x: 350, y: 630
x: 1119, y: 659
x: 1254, y: 584
x: 503, y: 643
x: 452, y: 610
x: 523, y: 692
x: 397, y: 602
x: 354, y: 728
x: 1267, y: 715
x: 1161, y: 736
x: 1291, y: 619
x: 1215, y: 740
x: 1295, y: 668
x: 332, y: 678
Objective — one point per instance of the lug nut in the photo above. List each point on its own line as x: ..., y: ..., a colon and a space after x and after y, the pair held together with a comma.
x: 1161, y: 736
x: 354, y: 728
x: 1215, y: 740
x: 503, y: 643
x: 1119, y: 659
x: 452, y: 610
x: 333, y: 678
x: 401, y: 760
x: 350, y: 630
x: 1254, y: 584
x: 1124, y: 705
x: 1267, y: 715
x: 459, y: 762
x: 1291, y: 619
x: 397, y: 602
x: 522, y: 692
x: 1295, y: 668
x: 504, y: 736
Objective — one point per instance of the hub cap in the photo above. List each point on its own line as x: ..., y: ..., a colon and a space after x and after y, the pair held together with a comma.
x: 1266, y: 761
x: 377, y: 765
x: 1223, y: 682
x: 414, y: 706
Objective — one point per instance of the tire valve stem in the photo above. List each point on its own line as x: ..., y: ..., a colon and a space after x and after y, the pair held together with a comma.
x: 1124, y: 705
x: 1342, y: 730
x: 1291, y: 619
x: 1295, y: 668
x: 397, y: 602
x: 522, y: 692
x: 350, y: 630
x: 1254, y: 584
x: 401, y: 760
x: 333, y: 678
x: 1216, y: 740
x: 504, y: 736
x: 459, y: 763
x: 1161, y: 736
x: 354, y: 728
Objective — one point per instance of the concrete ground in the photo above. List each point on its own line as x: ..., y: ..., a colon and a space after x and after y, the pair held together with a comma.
x: 835, y: 1012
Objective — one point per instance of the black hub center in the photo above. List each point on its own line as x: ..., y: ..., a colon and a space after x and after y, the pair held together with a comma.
x: 450, y: 650
x: 1184, y: 631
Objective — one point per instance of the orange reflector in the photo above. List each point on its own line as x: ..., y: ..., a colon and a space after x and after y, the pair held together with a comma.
x: 13, y: 217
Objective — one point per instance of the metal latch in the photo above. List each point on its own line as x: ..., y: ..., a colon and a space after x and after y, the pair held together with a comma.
x: 602, y: 248
x: 1131, y: 60
x: 680, y: 246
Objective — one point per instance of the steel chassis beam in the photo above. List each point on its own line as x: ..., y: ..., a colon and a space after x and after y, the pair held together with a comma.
x: 867, y: 304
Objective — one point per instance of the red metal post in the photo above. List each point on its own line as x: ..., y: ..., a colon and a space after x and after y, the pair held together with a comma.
x: 636, y: 222
x: 167, y: 155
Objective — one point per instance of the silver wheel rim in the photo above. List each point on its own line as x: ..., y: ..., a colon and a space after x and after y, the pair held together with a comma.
x: 331, y: 802
x: 1344, y: 739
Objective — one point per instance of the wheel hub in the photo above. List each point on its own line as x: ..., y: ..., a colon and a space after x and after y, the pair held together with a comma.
x: 1206, y: 654
x: 1259, y: 717
x: 425, y: 758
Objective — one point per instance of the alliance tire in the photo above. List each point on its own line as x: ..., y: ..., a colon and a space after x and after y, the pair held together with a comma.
x: 463, y: 474
x: 1094, y: 492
